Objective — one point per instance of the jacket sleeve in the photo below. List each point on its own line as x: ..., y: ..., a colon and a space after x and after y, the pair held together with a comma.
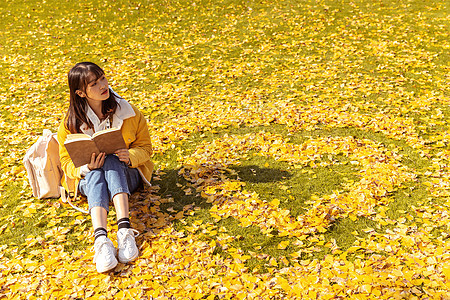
x: 141, y: 148
x: 67, y: 165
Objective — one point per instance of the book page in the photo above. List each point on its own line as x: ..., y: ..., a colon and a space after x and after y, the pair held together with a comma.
x: 77, y: 136
x: 105, y: 131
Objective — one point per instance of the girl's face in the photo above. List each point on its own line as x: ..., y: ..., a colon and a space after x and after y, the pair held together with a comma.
x: 97, y: 89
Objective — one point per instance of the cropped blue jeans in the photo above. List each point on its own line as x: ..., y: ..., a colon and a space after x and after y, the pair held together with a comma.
x: 102, y: 184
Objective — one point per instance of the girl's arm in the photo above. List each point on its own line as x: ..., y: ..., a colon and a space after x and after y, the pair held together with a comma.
x: 67, y: 165
x: 141, y: 148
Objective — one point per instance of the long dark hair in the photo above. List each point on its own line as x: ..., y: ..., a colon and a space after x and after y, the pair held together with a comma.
x: 78, y: 80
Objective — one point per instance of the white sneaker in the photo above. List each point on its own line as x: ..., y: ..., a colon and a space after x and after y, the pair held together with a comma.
x: 126, y: 244
x: 105, y: 254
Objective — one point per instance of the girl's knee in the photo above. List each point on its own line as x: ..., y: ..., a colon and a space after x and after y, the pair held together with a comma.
x: 111, y: 161
x: 96, y: 175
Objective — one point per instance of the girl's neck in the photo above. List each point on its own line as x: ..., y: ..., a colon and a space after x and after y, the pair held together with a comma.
x: 97, y: 108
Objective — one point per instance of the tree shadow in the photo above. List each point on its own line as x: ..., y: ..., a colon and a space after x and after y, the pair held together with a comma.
x: 171, y: 197
x: 255, y: 174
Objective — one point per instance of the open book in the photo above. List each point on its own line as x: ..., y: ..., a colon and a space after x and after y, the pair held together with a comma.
x: 80, y: 146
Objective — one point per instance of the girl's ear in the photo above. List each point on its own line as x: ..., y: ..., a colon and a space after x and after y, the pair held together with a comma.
x: 80, y: 93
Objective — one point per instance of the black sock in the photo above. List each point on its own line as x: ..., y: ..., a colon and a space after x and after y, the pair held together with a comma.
x: 123, y: 223
x: 98, y: 232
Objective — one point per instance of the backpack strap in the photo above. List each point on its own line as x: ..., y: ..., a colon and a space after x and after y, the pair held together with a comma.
x: 67, y: 197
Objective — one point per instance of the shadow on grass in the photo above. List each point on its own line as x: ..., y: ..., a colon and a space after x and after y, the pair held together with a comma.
x: 172, y: 185
x: 256, y: 174
x: 175, y: 186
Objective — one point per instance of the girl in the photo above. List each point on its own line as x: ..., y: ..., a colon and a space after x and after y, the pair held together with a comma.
x: 93, y: 107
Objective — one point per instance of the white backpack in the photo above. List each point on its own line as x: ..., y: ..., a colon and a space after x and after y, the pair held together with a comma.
x: 43, y: 166
x: 44, y: 169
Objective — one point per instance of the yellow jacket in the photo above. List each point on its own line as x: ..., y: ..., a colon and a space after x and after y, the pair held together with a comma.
x: 137, y: 139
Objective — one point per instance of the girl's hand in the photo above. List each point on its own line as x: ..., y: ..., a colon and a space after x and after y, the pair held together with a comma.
x: 97, y: 162
x: 124, y: 155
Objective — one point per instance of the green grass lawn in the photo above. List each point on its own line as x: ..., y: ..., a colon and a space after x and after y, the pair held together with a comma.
x: 211, y: 72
